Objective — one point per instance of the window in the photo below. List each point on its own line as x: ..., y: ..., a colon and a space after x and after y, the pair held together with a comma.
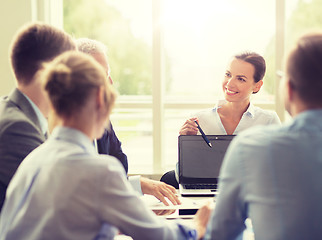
x: 126, y: 29
x: 199, y: 40
x: 301, y: 16
x: 168, y: 58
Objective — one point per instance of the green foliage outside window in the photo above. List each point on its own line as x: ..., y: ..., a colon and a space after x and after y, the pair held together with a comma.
x: 306, y: 16
x: 130, y: 58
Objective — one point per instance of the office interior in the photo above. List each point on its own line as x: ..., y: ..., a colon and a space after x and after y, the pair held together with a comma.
x: 183, y: 45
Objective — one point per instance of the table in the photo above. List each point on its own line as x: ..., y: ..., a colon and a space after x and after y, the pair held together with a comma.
x: 188, y: 203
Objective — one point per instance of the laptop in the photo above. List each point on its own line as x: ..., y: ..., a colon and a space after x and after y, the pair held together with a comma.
x: 199, y: 164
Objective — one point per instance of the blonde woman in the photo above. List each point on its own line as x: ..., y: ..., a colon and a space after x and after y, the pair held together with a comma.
x: 64, y: 189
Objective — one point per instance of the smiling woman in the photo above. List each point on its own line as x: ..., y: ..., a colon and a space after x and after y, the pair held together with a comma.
x: 243, y: 77
x: 168, y: 59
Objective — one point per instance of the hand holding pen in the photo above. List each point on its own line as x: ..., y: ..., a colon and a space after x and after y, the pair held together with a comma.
x: 189, y: 127
x: 203, y: 134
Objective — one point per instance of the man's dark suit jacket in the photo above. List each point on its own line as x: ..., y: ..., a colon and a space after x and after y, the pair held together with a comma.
x: 20, y: 133
x: 110, y: 144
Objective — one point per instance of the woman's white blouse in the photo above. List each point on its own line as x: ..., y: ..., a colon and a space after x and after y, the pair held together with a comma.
x: 211, y: 124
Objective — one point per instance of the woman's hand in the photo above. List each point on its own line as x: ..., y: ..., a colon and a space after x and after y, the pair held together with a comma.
x: 189, y: 127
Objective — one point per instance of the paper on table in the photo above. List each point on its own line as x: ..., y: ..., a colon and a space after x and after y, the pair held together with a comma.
x: 186, y: 203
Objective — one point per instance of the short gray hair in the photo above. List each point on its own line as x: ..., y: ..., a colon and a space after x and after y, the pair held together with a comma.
x: 90, y: 46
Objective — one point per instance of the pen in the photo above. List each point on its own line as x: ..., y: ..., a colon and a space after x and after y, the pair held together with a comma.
x: 203, y: 134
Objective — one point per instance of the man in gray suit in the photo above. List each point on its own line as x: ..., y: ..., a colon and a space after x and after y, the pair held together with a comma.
x: 23, y: 114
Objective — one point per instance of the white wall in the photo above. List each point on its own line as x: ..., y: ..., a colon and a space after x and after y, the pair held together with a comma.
x: 15, y: 13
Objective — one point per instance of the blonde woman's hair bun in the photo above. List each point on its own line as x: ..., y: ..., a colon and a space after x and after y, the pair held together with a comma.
x: 71, y: 78
x: 60, y: 78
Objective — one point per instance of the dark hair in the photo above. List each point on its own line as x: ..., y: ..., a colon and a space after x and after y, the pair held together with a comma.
x: 71, y: 78
x: 304, y: 68
x: 257, y: 61
x: 34, y: 44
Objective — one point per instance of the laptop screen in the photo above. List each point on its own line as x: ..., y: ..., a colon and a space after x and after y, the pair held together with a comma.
x: 198, y: 163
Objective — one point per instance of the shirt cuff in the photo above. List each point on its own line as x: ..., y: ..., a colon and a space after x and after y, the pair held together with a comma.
x: 189, y: 234
x: 136, y: 183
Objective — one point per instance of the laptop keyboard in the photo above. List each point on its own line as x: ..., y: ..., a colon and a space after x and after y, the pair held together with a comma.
x: 200, y: 186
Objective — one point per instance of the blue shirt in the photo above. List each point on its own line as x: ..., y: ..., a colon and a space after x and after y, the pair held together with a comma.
x: 273, y: 176
x: 65, y: 190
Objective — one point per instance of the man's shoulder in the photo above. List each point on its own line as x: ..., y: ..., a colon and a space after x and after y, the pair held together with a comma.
x: 16, y: 126
x: 9, y: 108
x: 16, y: 108
x: 11, y: 115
